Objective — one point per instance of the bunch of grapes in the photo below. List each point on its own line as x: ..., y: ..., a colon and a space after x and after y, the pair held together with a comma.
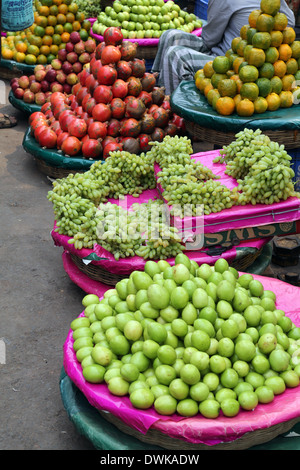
x: 171, y: 150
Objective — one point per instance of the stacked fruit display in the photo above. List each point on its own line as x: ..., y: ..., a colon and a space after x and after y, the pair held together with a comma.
x: 188, y: 339
x: 261, y: 70
x: 59, y: 76
x: 54, y: 22
x: 140, y: 19
x: 116, y: 104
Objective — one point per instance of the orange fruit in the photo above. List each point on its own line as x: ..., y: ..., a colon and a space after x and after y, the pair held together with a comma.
x: 73, y: 7
x: 52, y: 20
x: 212, y: 96
x: 53, y: 49
x: 285, y: 52
x: 276, y: 38
x: 264, y: 85
x: 53, y: 10
x: 276, y: 84
x: 65, y: 37
x: 253, y: 18
x: 291, y: 66
x: 221, y: 64
x: 273, y: 101
x: 34, y: 50
x: 44, y: 10
x: 68, y: 27
x: 208, y: 69
x: 42, y: 21
x: 256, y: 57
x: 80, y: 17
x: 230, y: 73
x: 271, y: 54
x: 243, y: 31
x: 248, y: 73
x: 201, y: 83
x: 21, y: 46
x: 286, y: 99
x: 287, y: 82
x: 250, y: 34
x: 281, y: 21
x: 199, y: 73
x: 227, y: 87
x: 250, y: 91
x: 238, y: 81
x: 20, y: 57
x: 215, y: 79
x: 76, y: 26
x: 58, y: 29
x: 235, y: 42
x: 260, y: 105
x: 279, y: 68
x: 236, y: 64
x: 265, y: 22
x: 267, y: 70
x: 225, y: 105
x: 271, y: 7
x: 56, y: 39
x: 207, y: 88
x: 261, y: 40
x: 63, y: 8
x: 247, y: 50
x: 70, y: 17
x: 7, y: 53
x: 49, y: 31
x: 237, y: 98
x: 295, y: 46
x: 39, y: 31
x: 241, y: 46
x: 245, y: 107
x: 61, y: 18
x: 289, y: 35
x: 48, y: 40
x: 45, y: 50
x: 30, y: 59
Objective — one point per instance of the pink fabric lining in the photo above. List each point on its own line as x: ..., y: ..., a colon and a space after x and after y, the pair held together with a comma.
x: 197, y: 429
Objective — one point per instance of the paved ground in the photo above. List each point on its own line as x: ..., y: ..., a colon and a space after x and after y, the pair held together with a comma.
x: 37, y: 303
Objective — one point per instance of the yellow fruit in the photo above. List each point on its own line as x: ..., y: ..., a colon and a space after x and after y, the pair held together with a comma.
x: 281, y: 21
x: 273, y: 101
x: 208, y: 69
x: 245, y: 107
x: 250, y: 91
x: 289, y: 35
x: 256, y: 57
x: 225, y: 105
x: 271, y: 7
x: 261, y: 40
x: 286, y: 99
x: 227, y: 87
x: 253, y: 18
x: 221, y: 64
x: 248, y: 73
x: 265, y: 23
x: 260, y: 105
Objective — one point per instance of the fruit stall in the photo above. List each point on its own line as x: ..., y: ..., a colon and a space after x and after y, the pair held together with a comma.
x: 182, y: 342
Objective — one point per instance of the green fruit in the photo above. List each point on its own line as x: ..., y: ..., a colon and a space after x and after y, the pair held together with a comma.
x: 142, y: 398
x: 248, y: 400
x: 230, y: 407
x: 156, y: 332
x: 190, y: 374
x: 279, y: 360
x: 199, y: 391
x: 129, y: 372
x: 187, y: 407
x: 165, y: 405
x: 94, y: 373
x: 166, y: 354
x: 179, y: 389
x: 118, y: 386
x: 225, y: 290
x: 221, y: 265
x: 179, y: 298
x: 165, y: 374
x: 141, y: 280
x: 209, y: 408
x: 180, y: 273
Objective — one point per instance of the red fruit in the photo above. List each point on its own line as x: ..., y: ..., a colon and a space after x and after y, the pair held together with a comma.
x: 101, y: 112
x: 120, y: 88
x: 134, y: 86
x: 148, y: 124
x: 61, y: 138
x: 171, y: 129
x: 76, y: 88
x: 135, y: 108
x: 77, y: 128
x: 90, y: 105
x: 91, y: 83
x: 96, y: 67
x: 148, y: 81
x: 71, y: 146
x: 130, y: 127
x: 107, y: 75
x: 103, y: 94
x: 113, y: 36
x: 107, y: 140
x: 178, y: 121
x: 166, y: 105
x: 45, y: 107
x: 144, y: 140
x: 82, y: 93
x: 113, y: 128
x: 47, y: 138
x: 91, y: 148
x: 131, y: 145
x: 111, y: 147
x: 146, y: 97
x: 153, y: 108
x: 128, y: 50
x: 158, y: 135
x: 158, y: 95
x: 83, y: 75
x: 19, y: 93
x: 90, y: 45
x: 97, y: 130
x: 110, y: 55
x: 118, y: 108
x: 75, y: 37
x: 58, y: 108
x: 138, y: 67
x: 36, y: 114
x: 124, y: 69
x: 65, y: 118
x: 55, y: 126
x: 85, y: 101
x: 161, y: 117
x: 99, y: 50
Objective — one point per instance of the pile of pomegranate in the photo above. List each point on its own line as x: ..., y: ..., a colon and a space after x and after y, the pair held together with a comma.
x: 60, y: 75
x: 116, y: 105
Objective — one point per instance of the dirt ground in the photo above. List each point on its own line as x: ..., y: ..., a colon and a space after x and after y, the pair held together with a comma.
x: 38, y: 301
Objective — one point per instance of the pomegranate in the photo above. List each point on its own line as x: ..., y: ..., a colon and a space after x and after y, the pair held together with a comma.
x: 110, y: 55
x: 103, y: 94
x: 124, y: 69
x: 101, y: 112
x: 65, y: 118
x: 138, y: 67
x: 81, y: 94
x: 99, y: 50
x: 131, y: 145
x: 96, y: 67
x: 128, y: 50
x: 107, y: 140
x: 158, y: 95
x: 113, y: 127
x: 71, y: 146
x: 90, y: 105
x: 171, y: 129
x: 144, y: 140
x: 118, y: 108
x: 61, y: 138
x: 91, y: 148
x: 113, y: 36
x: 107, y: 75
x: 77, y: 128
x: 134, y: 86
x: 158, y: 135
x: 97, y: 130
x: 86, y: 98
x: 120, y: 88
x: 135, y: 108
x: 148, y: 81
x: 153, y: 108
x: 161, y: 117
x: 111, y: 147
x: 91, y: 83
x: 47, y: 138
x: 130, y: 127
x: 90, y: 45
x: 166, y: 104
x: 35, y: 115
x: 148, y: 124
x: 146, y: 97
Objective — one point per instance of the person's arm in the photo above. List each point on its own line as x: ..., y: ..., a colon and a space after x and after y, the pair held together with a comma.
x: 218, y: 17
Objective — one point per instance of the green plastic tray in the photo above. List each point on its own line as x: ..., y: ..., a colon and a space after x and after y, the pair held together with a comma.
x: 21, y: 105
x: 53, y: 157
x: 188, y: 102
x: 17, y: 66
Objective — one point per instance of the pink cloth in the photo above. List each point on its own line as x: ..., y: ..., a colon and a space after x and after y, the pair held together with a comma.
x: 197, y: 429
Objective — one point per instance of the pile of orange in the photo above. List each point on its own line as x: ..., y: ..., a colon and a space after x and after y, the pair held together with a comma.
x: 54, y: 21
x: 261, y: 70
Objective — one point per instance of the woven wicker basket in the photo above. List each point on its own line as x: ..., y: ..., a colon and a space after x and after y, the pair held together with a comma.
x: 156, y: 437
x: 290, y: 139
x: 100, y: 274
x: 52, y: 171
x: 146, y: 52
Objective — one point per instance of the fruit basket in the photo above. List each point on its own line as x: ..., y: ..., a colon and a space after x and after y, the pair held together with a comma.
x: 204, y: 123
x: 51, y: 162
x: 26, y: 108
x: 242, y: 431
x: 11, y: 69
